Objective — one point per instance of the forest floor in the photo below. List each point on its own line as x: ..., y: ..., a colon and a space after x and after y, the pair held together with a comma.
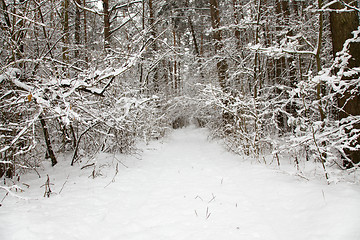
x: 183, y: 187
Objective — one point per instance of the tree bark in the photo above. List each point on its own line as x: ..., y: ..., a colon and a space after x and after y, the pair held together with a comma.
x: 106, y: 24
x: 284, y: 73
x: 193, y: 34
x: 155, y: 79
x: 77, y: 29
x: 221, y: 65
x: 237, y: 32
x: 257, y: 78
x: 65, y: 30
x: 318, y: 61
x: 50, y: 151
x: 20, y: 39
x: 175, y: 73
x: 85, y: 34
x: 342, y: 25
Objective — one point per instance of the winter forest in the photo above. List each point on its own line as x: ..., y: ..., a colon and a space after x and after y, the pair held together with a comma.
x: 274, y: 81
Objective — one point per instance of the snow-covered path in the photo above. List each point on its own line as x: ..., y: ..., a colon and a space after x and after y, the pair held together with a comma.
x: 186, y: 188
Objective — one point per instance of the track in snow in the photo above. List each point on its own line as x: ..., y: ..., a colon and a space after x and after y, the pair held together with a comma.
x: 186, y: 188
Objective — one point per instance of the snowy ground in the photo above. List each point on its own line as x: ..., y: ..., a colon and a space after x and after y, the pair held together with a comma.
x: 184, y: 188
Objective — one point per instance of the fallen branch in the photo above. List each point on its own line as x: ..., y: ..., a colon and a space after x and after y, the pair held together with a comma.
x: 86, y: 166
x: 9, y: 192
x: 78, y: 142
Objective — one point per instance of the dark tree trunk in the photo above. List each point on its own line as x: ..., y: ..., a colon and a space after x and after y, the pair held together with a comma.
x: 50, y: 151
x: 222, y: 66
x: 154, y: 45
x: 65, y: 20
x: 85, y: 34
x: 106, y: 24
x: 77, y: 29
x: 342, y: 25
x: 284, y: 72
x: 191, y: 25
x: 237, y: 32
x: 20, y: 38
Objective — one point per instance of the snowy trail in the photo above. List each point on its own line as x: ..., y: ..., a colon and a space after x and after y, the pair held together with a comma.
x: 186, y: 188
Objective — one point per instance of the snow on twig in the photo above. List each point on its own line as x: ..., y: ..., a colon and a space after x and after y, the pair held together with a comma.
x: 24, y: 18
x: 9, y: 191
x: 17, y: 137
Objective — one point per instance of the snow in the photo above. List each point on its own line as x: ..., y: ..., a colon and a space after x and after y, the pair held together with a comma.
x: 10, y: 73
x: 183, y: 187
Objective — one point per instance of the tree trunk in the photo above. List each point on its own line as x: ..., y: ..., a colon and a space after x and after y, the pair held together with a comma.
x: 77, y: 29
x: 237, y: 32
x: 285, y: 74
x: 155, y: 79
x: 221, y: 65
x: 50, y: 151
x: 20, y: 38
x: 65, y: 20
x: 175, y: 73
x: 106, y: 24
x: 318, y: 61
x: 257, y: 78
x: 192, y: 30
x: 342, y: 25
x: 85, y: 34
x: 143, y: 28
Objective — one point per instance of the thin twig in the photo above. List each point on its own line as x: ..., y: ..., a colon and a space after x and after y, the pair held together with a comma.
x: 199, y: 198
x: 4, y: 197
x: 116, y: 172
x: 213, y: 198
x: 86, y: 166
x: 64, y: 184
x: 207, y: 213
x: 320, y: 155
x: 302, y: 176
x: 120, y: 162
x: 9, y: 192
x: 78, y: 142
x: 323, y: 194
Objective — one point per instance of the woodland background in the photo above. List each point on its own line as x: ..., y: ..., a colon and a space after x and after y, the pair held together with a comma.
x: 80, y: 77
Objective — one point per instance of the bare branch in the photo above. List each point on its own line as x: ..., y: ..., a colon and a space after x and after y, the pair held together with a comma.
x: 24, y: 18
x: 88, y: 9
